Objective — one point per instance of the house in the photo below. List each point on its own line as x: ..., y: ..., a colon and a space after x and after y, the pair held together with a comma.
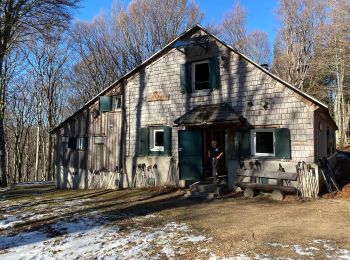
x: 154, y: 125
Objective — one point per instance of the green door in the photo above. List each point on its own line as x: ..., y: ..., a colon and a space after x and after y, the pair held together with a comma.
x: 190, y: 155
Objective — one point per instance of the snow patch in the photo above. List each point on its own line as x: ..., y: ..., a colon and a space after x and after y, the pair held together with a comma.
x: 274, y: 244
x: 9, y: 221
x: 343, y: 254
x: 304, y: 251
x: 92, y: 238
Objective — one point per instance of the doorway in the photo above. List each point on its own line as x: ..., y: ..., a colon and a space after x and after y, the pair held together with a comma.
x: 220, y: 136
x: 194, y: 145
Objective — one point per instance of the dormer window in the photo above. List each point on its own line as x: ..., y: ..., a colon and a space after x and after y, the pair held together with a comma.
x: 200, y: 75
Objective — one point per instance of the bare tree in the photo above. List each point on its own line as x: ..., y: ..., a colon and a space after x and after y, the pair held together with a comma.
x: 148, y: 25
x: 258, y: 47
x: 332, y: 66
x: 233, y: 30
x: 114, y: 43
x: 300, y: 21
x: 19, y: 18
x: 98, y: 59
x: 233, y: 27
x: 47, y: 58
x: 19, y: 119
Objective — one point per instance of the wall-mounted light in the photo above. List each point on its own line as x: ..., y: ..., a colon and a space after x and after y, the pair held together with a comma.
x: 265, y: 105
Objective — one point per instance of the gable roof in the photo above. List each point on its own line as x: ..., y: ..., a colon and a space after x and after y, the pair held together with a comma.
x: 169, y: 46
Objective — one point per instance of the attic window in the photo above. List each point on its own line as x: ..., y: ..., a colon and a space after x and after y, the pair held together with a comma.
x: 200, y: 75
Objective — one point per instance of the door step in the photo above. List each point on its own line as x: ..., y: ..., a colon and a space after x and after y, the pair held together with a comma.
x: 206, y: 190
x: 201, y: 195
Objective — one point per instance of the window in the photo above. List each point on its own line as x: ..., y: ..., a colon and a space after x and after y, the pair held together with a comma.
x: 200, y: 75
x: 116, y: 103
x: 263, y: 142
x: 82, y: 143
x: 110, y: 103
x: 157, y: 139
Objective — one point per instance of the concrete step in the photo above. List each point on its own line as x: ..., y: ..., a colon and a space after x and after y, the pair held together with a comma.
x: 202, y: 195
x: 206, y: 188
x: 209, y: 188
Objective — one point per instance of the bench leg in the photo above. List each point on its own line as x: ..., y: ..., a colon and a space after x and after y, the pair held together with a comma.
x: 249, y: 193
x: 277, y: 195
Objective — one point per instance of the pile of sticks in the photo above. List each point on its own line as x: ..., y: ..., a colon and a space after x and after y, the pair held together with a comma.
x: 328, y: 176
x: 308, y: 185
x: 144, y: 177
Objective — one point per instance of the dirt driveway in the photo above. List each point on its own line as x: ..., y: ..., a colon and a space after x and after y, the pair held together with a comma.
x: 161, y: 224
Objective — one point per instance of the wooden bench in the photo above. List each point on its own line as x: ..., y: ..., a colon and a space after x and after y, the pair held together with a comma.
x: 278, y: 189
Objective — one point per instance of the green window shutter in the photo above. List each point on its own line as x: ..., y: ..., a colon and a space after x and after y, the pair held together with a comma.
x: 214, y: 73
x: 105, y: 103
x: 144, y: 141
x: 72, y: 143
x: 243, y: 140
x: 167, y: 141
x: 185, y: 78
x: 282, y: 143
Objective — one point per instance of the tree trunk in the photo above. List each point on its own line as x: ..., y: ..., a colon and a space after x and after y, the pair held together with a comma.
x: 3, y: 177
x: 49, y: 159
x: 37, y: 153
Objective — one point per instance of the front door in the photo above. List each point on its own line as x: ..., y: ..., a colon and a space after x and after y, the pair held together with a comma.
x: 190, y: 155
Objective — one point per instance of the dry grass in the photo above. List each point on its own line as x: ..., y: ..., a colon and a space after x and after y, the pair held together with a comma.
x: 237, y: 225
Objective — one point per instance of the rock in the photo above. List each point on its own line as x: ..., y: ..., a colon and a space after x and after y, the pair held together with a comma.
x: 277, y: 195
x: 249, y: 193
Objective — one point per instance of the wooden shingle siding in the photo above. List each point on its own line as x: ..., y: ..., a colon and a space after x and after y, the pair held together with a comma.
x: 241, y: 83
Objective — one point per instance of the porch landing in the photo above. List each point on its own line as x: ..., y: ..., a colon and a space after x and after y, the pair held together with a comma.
x: 206, y: 190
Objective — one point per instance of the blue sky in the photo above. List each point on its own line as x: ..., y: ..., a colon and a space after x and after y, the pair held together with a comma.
x: 260, y: 13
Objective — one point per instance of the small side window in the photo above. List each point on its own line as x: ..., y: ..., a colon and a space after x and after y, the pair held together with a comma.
x: 82, y: 143
x: 116, y: 103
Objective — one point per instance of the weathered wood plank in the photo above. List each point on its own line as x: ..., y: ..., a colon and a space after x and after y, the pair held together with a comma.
x: 267, y: 187
x: 268, y: 174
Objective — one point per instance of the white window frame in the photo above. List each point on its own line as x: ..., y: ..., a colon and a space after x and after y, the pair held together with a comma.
x: 152, y: 138
x: 193, y: 76
x: 253, y: 142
